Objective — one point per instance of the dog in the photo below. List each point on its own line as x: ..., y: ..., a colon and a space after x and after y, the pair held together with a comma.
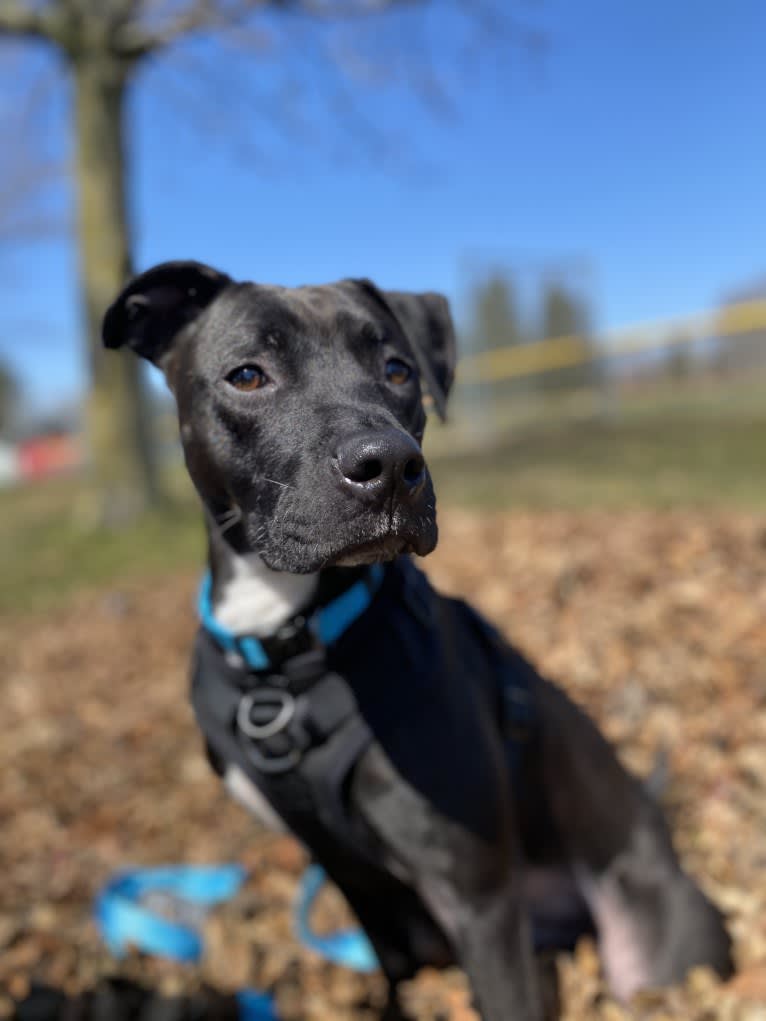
x: 468, y: 810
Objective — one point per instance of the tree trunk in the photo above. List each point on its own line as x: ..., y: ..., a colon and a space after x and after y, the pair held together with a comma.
x: 118, y: 415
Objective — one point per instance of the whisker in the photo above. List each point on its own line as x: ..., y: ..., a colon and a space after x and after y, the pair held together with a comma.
x: 284, y: 485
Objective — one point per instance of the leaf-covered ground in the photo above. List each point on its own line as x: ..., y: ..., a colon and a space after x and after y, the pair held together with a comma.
x: 656, y: 622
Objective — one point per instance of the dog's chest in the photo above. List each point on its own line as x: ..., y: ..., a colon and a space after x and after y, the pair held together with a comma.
x: 434, y: 725
x: 240, y: 787
x: 252, y: 600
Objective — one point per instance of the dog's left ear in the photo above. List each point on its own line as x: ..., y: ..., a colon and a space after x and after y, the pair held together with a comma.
x: 427, y: 323
x: 155, y: 306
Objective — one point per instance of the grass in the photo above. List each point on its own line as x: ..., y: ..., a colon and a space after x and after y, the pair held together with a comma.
x: 49, y: 548
x: 651, y: 463
x: 706, y: 457
x: 697, y: 443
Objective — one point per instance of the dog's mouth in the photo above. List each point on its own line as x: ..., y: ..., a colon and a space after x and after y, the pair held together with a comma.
x: 353, y: 546
x: 373, y: 551
x: 386, y: 537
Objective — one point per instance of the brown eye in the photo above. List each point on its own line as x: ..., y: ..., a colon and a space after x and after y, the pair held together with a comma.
x: 397, y: 371
x: 247, y: 377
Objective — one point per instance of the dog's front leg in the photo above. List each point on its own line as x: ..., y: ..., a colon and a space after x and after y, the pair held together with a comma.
x: 470, y: 884
x: 489, y: 929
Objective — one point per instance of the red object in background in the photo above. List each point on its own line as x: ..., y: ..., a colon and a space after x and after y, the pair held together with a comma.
x: 48, y: 455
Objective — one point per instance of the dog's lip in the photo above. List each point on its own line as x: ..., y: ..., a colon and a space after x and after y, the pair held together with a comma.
x: 372, y: 551
x: 397, y: 539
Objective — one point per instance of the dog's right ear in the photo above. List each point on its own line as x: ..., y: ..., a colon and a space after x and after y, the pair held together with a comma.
x: 155, y: 306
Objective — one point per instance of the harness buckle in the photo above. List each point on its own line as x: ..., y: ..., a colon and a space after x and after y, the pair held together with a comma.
x: 264, y: 713
x: 263, y: 700
x: 294, y: 638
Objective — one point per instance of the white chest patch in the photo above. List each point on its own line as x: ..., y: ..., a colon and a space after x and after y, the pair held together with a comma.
x: 248, y: 795
x: 256, y: 600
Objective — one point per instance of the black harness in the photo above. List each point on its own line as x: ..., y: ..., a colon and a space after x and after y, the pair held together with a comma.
x: 297, y: 724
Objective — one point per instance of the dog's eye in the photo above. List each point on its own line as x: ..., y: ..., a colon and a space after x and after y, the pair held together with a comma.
x: 247, y: 377
x: 397, y: 371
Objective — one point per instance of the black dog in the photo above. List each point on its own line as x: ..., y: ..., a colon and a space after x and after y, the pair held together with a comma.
x: 467, y: 809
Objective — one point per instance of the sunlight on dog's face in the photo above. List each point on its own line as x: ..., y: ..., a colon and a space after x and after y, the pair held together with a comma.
x: 301, y: 410
x: 270, y: 390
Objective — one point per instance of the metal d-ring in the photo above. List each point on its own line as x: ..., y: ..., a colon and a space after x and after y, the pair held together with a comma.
x: 259, y: 732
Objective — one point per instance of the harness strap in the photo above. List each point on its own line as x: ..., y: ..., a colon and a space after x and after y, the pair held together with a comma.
x: 299, y: 756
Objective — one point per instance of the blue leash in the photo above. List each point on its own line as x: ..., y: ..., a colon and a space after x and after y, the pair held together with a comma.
x: 127, y: 908
x: 132, y: 909
x: 349, y: 947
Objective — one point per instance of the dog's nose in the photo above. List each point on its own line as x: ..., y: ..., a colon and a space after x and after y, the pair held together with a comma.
x: 381, y: 464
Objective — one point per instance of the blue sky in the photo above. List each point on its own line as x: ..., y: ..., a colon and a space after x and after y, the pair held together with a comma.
x: 633, y: 145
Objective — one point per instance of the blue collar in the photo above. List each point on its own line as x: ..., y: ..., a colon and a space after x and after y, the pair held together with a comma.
x: 326, y: 624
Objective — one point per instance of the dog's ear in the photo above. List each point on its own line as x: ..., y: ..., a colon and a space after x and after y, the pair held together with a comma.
x: 149, y: 313
x: 427, y: 323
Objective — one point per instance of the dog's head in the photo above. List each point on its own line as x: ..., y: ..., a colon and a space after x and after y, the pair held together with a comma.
x: 301, y: 409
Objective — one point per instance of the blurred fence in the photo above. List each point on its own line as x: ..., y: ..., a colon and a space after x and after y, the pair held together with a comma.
x: 712, y: 362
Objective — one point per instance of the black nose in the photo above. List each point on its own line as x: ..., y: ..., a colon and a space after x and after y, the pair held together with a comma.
x: 382, y: 464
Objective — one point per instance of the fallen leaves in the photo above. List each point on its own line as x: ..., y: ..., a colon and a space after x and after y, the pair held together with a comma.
x: 655, y: 622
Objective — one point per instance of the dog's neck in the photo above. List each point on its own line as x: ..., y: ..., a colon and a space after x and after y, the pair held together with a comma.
x: 251, y: 599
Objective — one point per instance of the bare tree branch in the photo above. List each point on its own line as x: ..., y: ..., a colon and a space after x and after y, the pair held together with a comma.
x: 135, y: 39
x: 32, y: 175
x: 19, y: 19
x: 200, y: 83
x: 337, y: 10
